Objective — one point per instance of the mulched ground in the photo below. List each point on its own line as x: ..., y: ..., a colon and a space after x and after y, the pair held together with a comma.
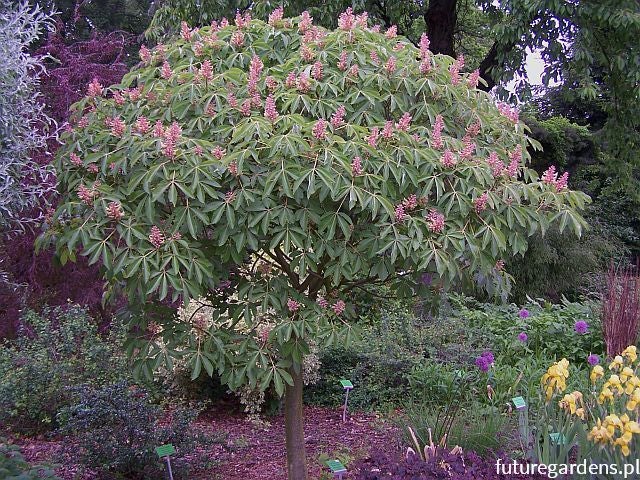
x: 255, y: 452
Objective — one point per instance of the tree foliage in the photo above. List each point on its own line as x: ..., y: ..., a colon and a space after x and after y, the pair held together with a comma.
x: 24, y: 184
x: 273, y: 172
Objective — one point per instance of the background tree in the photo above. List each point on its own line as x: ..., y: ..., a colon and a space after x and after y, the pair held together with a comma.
x: 267, y: 171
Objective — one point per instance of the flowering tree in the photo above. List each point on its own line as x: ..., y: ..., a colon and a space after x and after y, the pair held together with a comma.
x: 271, y: 169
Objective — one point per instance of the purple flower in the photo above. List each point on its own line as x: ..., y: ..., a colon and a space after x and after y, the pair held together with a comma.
x: 488, y: 355
x: 484, y: 361
x: 523, y: 337
x: 581, y: 327
x: 593, y: 359
x: 482, y: 364
x: 426, y: 279
x: 524, y: 313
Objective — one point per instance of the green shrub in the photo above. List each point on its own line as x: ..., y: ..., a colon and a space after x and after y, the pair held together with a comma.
x: 14, y: 467
x: 58, y: 349
x: 118, y: 428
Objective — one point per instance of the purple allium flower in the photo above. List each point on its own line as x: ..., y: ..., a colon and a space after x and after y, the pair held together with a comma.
x: 581, y: 327
x: 482, y: 364
x: 593, y: 359
x: 524, y: 313
x: 488, y: 355
x: 523, y: 337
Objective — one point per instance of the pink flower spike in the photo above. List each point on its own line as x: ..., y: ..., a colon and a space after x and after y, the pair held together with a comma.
x: 165, y: 71
x: 75, y: 159
x: 435, y: 221
x: 563, y: 182
x: 145, y: 54
x: 339, y: 307
x: 405, y: 121
x: 270, y: 111
x: 306, y: 21
x: 391, y: 32
x: 424, y: 46
x: 390, y: 66
x: 372, y: 139
x: 292, y: 305
x: 156, y: 237
x: 356, y: 166
x: 474, y: 78
x: 316, y: 71
x: 342, y: 61
x: 114, y: 211
x: 448, y: 160
x: 480, y: 203
x: 276, y: 16
x: 550, y: 176
x: 387, y: 131
x: 94, y: 89
x: 337, y: 119
x: 320, y: 129
x: 347, y: 20
x: 322, y: 302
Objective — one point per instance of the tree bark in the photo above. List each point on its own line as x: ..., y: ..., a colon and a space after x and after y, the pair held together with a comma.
x: 294, y: 427
x: 441, y: 18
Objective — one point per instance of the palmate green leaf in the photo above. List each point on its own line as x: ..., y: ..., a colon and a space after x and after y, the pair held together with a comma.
x: 278, y: 206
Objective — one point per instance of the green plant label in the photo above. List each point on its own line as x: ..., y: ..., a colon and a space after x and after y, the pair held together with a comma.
x: 165, y: 450
x: 336, y: 466
x: 558, y: 438
x: 518, y: 402
x: 346, y: 384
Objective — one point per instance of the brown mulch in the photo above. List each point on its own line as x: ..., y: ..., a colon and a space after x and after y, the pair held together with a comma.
x: 254, y: 451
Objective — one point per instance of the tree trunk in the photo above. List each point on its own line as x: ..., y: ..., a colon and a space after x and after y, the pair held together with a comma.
x: 294, y: 426
x: 441, y: 17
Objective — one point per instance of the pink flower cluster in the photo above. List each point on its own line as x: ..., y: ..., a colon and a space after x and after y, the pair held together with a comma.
x: 165, y: 71
x: 255, y: 69
x: 145, y: 54
x: 117, y: 126
x: 306, y: 21
x: 316, y: 71
x: 455, y: 68
x: 372, y: 139
x: 218, y: 152
x: 320, y: 129
x: 158, y: 129
x: 206, y: 70
x: 337, y: 119
x: 353, y: 71
x: 142, y: 125
x: 356, y: 166
x: 243, y: 20
x: 480, y: 203
x: 424, y: 47
x: 390, y: 66
x: 404, y: 122
x: 448, y: 159
x: 170, y: 139
x: 473, y: 79
x: 291, y: 80
x: 185, y: 31
x: 237, y: 38
x: 408, y: 204
x: 509, y: 112
x: 303, y: 82
x: 229, y: 196
x: 75, y: 159
x: 436, y: 134
x: 270, y: 111
x: 94, y: 89
x: 276, y: 16
x: 347, y: 20
x: 387, y: 131
x: 342, y: 61
x: 233, y: 168
x: 198, y: 49
x: 467, y: 152
x: 292, y: 305
x: 156, y: 237
x: 374, y: 57
x: 306, y: 53
x: 339, y: 307
x: 435, y: 221
x: 88, y: 194
x: 114, y: 211
x: 496, y: 165
x: 271, y: 83
x: 550, y: 176
x: 392, y: 32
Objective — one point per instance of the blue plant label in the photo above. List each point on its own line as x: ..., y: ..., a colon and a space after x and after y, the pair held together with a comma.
x: 165, y: 450
x: 346, y: 384
x: 518, y: 402
x: 336, y: 466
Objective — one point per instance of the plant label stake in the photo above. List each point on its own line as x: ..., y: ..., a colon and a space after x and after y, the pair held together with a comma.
x: 166, y: 451
x: 337, y: 468
x: 523, y: 421
x: 347, y: 385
